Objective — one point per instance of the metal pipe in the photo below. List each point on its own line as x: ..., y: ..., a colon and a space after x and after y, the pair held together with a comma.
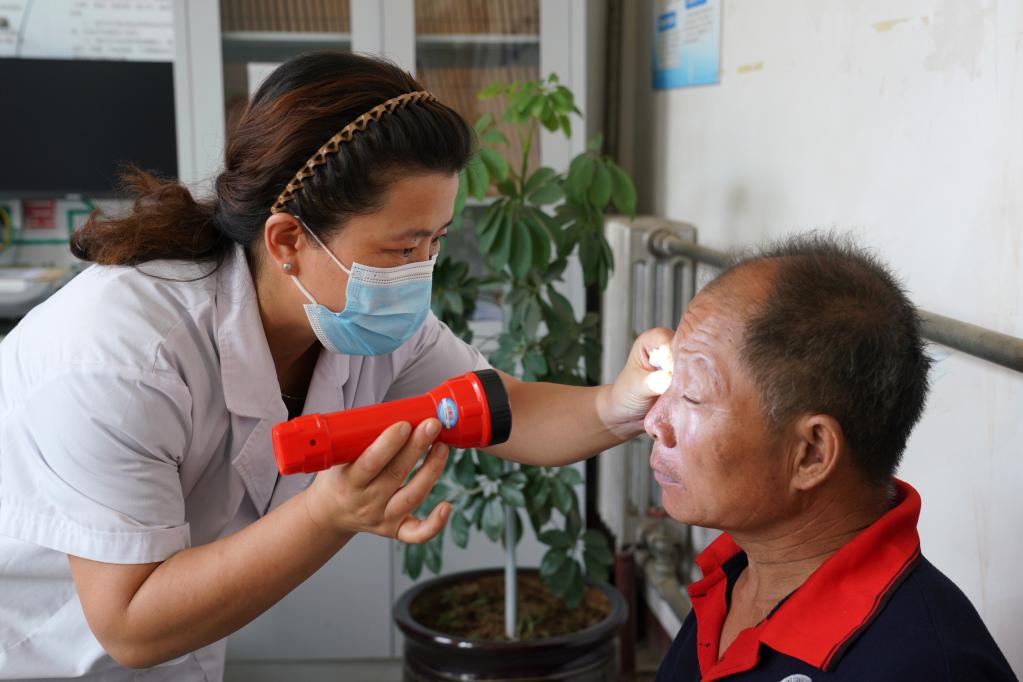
x: 1001, y: 349
x: 995, y: 347
x: 665, y: 583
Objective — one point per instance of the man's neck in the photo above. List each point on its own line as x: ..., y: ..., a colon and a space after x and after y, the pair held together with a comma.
x: 782, y: 558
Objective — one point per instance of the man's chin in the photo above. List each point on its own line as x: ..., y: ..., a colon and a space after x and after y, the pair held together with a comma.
x: 679, y: 506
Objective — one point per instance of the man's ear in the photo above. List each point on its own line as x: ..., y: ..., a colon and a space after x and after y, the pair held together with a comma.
x: 819, y: 445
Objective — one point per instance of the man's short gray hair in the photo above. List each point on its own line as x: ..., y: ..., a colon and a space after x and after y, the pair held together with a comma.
x: 836, y: 334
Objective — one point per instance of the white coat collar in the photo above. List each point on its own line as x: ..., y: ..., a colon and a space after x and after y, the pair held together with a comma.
x: 246, y: 366
x: 250, y: 382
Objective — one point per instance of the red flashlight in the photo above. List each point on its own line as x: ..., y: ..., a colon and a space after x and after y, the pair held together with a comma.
x: 473, y: 411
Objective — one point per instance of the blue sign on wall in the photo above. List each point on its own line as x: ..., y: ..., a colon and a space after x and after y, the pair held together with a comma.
x: 687, y: 43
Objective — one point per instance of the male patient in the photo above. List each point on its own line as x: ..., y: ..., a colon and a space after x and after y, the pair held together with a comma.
x: 798, y: 376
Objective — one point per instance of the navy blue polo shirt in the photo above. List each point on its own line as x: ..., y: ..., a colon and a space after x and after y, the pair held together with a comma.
x: 875, y: 611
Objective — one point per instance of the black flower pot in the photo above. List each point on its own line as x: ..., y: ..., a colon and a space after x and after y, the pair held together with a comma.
x: 590, y: 655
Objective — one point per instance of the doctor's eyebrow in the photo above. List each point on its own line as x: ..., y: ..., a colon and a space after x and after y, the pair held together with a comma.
x: 423, y: 234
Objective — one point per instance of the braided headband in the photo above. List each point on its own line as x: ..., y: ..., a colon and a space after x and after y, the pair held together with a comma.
x: 334, y: 143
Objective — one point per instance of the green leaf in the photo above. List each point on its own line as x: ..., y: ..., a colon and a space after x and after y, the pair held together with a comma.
x: 539, y: 178
x: 488, y: 221
x: 596, y: 545
x: 521, y: 251
x: 590, y: 257
x: 557, y: 538
x: 521, y: 100
x: 537, y: 492
x: 563, y: 99
x: 465, y: 469
x: 595, y: 570
x: 567, y: 575
x: 495, y: 136
x: 516, y: 478
x: 512, y: 495
x: 493, y: 518
x: 552, y: 560
x: 508, y: 187
x: 535, y: 362
x: 531, y: 320
x: 490, y: 465
x: 623, y: 192
x: 477, y: 507
x: 576, y: 588
x: 483, y: 121
x: 596, y: 143
x: 501, y: 250
x: 460, y: 197
x: 607, y: 262
x: 434, y: 552
x: 546, y: 194
x: 539, y: 516
x: 459, y: 529
x: 562, y: 306
x: 414, y: 556
x: 496, y: 164
x: 536, y: 105
x: 600, y: 190
x: 570, y: 476
x: 580, y: 176
x: 541, y: 240
x: 562, y: 496
x: 453, y: 302
x: 492, y: 90
x: 566, y: 125
x: 488, y: 239
x: 573, y: 523
x: 478, y: 179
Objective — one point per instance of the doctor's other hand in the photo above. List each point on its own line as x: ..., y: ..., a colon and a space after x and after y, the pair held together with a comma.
x: 371, y: 494
x: 623, y: 405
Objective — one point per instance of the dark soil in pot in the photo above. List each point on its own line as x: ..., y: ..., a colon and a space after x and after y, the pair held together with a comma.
x: 474, y: 609
x: 468, y: 643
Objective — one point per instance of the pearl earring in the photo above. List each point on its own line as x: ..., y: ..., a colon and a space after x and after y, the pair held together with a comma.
x: 286, y: 267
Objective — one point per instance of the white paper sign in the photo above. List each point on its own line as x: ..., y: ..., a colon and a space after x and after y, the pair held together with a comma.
x: 133, y: 30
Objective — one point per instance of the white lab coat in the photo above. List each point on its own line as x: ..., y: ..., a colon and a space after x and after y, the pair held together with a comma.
x: 135, y: 418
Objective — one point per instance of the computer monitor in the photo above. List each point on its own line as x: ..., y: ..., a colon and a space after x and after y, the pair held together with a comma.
x: 68, y: 126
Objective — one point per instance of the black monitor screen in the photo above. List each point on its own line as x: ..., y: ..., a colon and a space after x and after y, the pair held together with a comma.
x: 68, y: 126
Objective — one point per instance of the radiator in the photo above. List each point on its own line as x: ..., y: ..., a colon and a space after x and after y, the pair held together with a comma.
x: 644, y: 291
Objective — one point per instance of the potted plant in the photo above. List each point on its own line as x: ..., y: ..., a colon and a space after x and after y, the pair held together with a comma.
x: 527, y: 233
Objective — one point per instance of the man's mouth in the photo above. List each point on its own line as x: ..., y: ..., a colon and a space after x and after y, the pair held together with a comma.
x: 660, y: 475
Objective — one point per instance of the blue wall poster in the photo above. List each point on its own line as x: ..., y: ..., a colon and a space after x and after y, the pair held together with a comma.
x: 687, y: 43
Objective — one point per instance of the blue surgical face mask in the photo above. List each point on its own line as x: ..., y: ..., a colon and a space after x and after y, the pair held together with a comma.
x: 383, y: 308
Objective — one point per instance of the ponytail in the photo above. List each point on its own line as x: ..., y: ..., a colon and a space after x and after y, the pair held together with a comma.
x: 165, y: 222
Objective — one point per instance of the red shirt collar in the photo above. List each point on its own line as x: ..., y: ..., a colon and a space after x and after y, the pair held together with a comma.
x: 824, y: 616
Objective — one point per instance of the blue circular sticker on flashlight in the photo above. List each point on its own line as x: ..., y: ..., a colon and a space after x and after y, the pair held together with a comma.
x: 447, y: 412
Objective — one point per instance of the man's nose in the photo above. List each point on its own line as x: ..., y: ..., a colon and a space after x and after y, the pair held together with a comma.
x: 657, y: 422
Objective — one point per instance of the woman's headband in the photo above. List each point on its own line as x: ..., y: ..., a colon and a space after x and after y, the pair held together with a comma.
x: 345, y: 135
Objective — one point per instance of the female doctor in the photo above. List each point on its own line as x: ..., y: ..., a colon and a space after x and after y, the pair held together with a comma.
x: 142, y: 519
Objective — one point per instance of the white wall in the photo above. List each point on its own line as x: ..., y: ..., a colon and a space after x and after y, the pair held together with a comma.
x: 902, y: 121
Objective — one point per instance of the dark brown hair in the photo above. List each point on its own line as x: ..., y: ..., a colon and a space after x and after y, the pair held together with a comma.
x: 836, y: 334
x: 296, y: 110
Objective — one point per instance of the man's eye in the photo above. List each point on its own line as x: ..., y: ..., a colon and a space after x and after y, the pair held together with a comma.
x: 690, y: 400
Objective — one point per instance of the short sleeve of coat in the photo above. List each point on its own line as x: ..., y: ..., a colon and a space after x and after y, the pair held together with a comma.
x: 89, y: 465
x: 432, y: 356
